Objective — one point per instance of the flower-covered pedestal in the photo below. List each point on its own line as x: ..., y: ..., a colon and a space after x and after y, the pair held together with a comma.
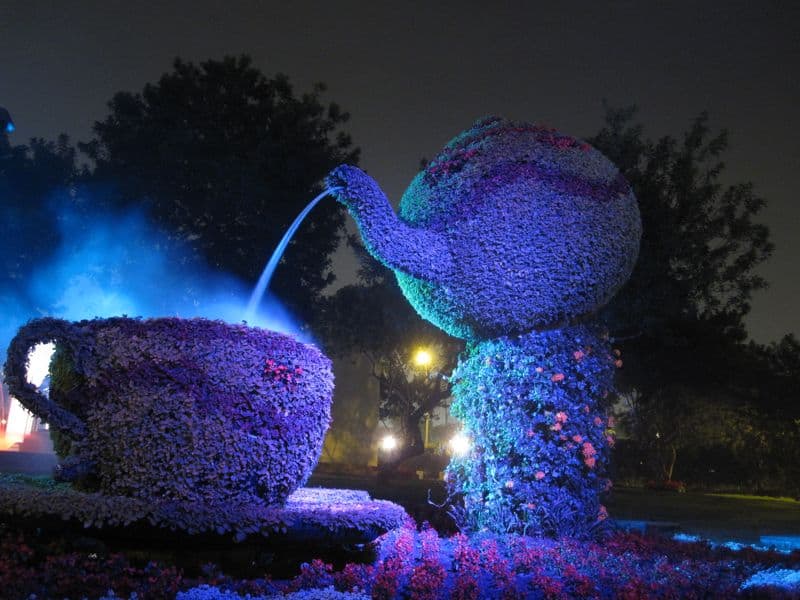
x: 532, y: 406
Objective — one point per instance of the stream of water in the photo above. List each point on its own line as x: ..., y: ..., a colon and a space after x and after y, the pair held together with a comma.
x: 263, y: 281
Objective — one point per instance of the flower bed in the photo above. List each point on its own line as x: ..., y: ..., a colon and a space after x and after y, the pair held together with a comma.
x: 420, y: 565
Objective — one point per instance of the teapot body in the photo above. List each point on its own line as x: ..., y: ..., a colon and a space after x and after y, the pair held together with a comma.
x: 542, y: 229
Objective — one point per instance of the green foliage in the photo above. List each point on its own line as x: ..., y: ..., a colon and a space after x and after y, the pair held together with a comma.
x: 780, y: 374
x: 65, y: 383
x: 226, y: 158
x: 354, y: 415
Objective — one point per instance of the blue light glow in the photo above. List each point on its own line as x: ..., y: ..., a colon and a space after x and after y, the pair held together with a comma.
x: 117, y: 264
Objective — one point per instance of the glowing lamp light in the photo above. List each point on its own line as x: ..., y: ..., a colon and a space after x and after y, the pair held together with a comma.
x: 460, y: 445
x: 423, y: 358
x: 388, y: 443
x: 9, y: 127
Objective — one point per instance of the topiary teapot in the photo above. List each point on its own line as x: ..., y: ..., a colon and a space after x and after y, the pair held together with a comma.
x: 512, y: 228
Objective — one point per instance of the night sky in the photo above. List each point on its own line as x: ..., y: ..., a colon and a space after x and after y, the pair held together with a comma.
x: 414, y: 74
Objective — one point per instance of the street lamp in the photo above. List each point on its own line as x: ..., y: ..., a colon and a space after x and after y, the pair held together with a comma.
x: 423, y: 358
x: 460, y: 444
x: 388, y: 443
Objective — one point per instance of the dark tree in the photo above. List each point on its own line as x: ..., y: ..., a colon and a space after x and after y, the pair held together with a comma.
x: 374, y: 319
x: 774, y: 369
x: 701, y: 243
x: 226, y: 158
x: 36, y: 182
x: 679, y: 320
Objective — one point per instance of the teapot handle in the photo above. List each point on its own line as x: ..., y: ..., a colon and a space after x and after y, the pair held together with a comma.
x: 16, y: 370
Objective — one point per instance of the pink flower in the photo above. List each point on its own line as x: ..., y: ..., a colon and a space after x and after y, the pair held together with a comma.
x: 539, y: 475
x: 618, y: 363
x: 612, y: 422
x: 539, y: 369
x: 577, y: 438
x: 531, y: 433
x: 588, y: 449
x: 611, y: 441
x: 578, y: 355
x: 586, y: 408
x: 598, y: 421
x: 590, y: 462
x: 561, y: 417
x: 557, y: 377
x: 617, y: 352
x: 602, y: 514
x: 556, y: 427
x: 509, y: 484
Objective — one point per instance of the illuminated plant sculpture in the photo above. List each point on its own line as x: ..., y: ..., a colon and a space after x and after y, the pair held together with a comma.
x: 190, y: 410
x: 510, y: 238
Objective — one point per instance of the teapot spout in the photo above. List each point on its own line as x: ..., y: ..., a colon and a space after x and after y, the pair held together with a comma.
x: 412, y: 250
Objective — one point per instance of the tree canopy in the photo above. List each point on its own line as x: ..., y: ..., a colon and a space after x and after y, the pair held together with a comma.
x: 701, y: 246
x: 32, y: 179
x: 695, y: 387
x: 226, y: 158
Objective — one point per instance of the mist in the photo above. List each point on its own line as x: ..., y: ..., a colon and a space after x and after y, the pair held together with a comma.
x: 113, y: 263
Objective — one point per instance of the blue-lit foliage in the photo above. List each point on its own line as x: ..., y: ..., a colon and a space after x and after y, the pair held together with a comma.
x: 512, y: 227
x: 185, y: 409
x: 513, y: 232
x: 539, y: 436
x: 311, y: 513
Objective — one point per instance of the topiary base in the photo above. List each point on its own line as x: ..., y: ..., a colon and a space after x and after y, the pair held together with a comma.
x: 533, y: 406
x: 311, y: 515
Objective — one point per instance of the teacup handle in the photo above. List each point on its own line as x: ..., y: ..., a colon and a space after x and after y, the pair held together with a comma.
x: 16, y: 370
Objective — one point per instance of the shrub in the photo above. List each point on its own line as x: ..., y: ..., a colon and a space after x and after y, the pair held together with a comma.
x: 667, y: 485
